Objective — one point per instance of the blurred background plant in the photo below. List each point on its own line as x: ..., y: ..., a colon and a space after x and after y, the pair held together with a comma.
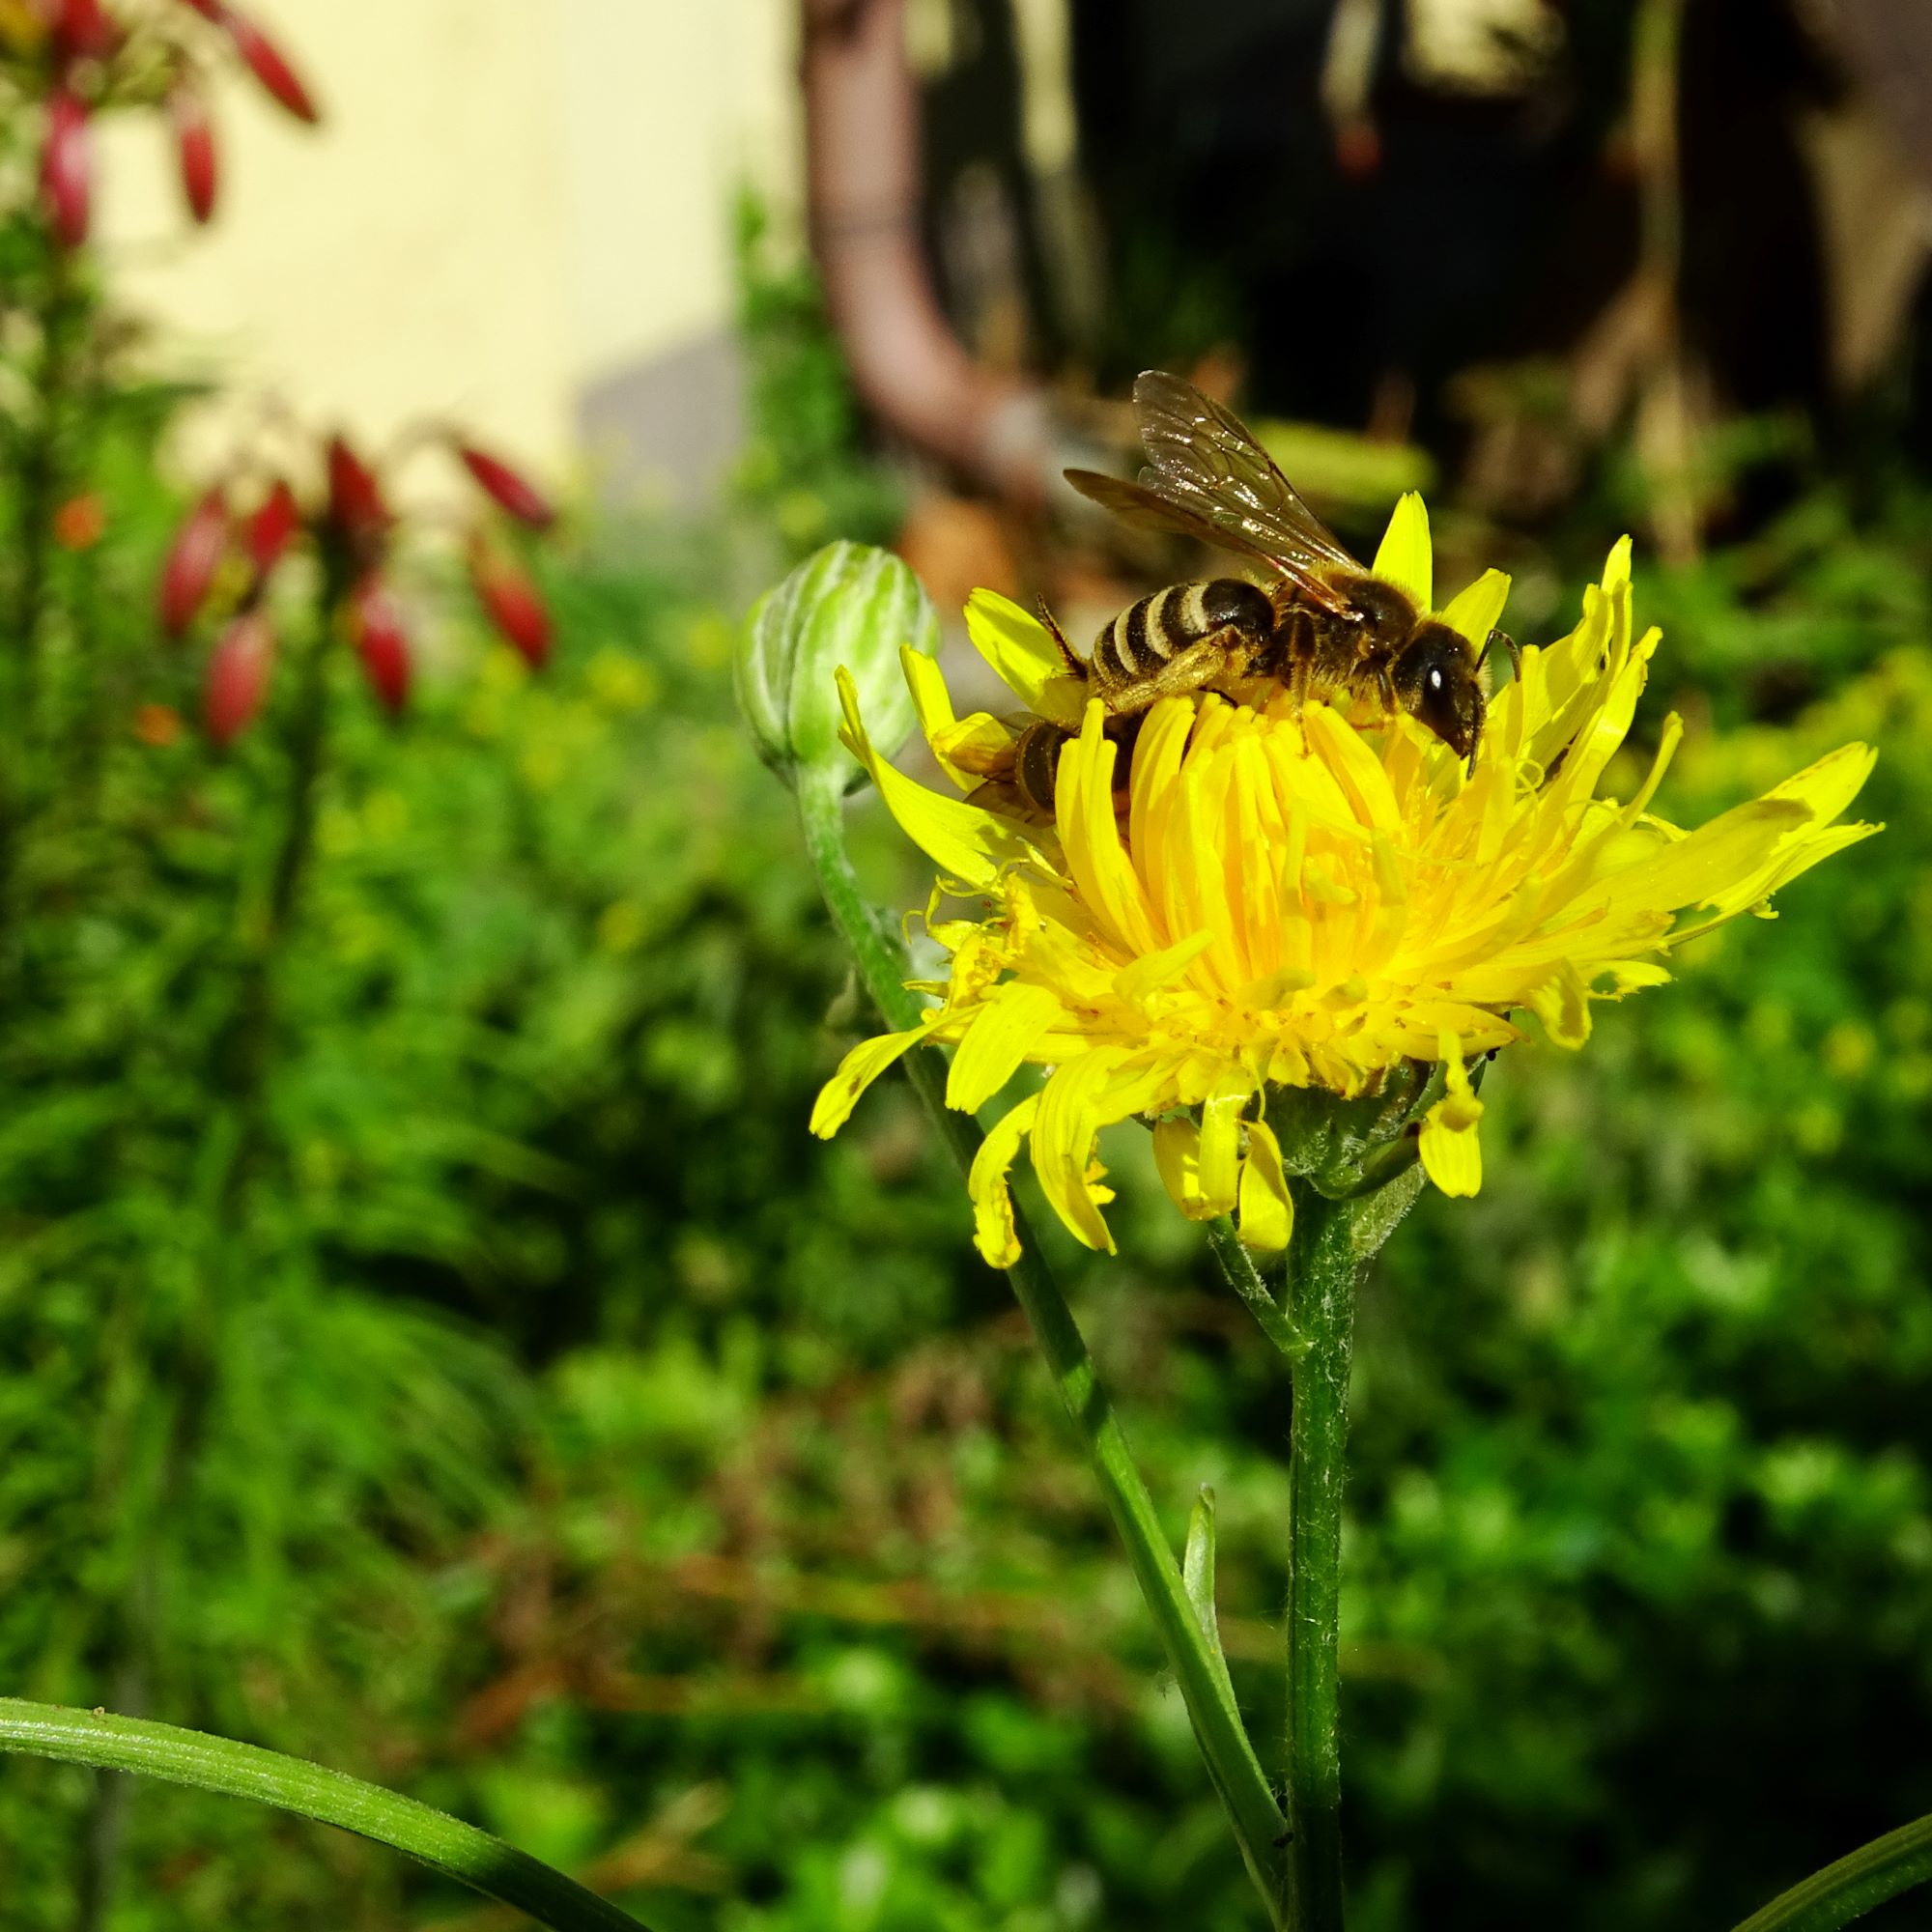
x: 430, y: 1342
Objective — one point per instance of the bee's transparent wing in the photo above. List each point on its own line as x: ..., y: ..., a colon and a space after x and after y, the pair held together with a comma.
x: 1153, y: 510
x: 1201, y: 459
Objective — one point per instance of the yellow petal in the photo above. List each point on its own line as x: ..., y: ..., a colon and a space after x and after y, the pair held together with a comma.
x: 1829, y: 786
x: 1477, y: 610
x: 966, y: 750
x: 1221, y: 1142
x: 1177, y: 1156
x: 1102, y: 1086
x: 1089, y: 836
x: 999, y: 1038
x: 968, y: 844
x: 856, y: 1072
x: 1154, y: 970
x: 974, y: 748
x: 1452, y: 1156
x: 1404, y: 557
x: 994, y: 1234
x: 1063, y: 1134
x: 1562, y: 1003
x: 1268, y: 1208
x: 1021, y: 648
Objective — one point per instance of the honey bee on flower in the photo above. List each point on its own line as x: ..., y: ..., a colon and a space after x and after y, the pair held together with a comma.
x: 1280, y: 897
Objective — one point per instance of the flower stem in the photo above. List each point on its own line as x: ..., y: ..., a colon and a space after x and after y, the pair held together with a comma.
x: 1324, y: 1265
x: 1232, y: 1767
x: 1247, y: 1281
x: 1852, y: 1887
x: 446, y: 1844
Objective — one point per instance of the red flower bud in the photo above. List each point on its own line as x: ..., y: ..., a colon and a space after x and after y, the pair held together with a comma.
x: 194, y: 144
x: 266, y: 62
x: 192, y: 560
x: 82, y: 31
x: 67, y: 169
x: 237, y: 677
x: 508, y: 489
x: 382, y: 640
x: 356, y: 505
x: 513, y: 604
x: 272, y: 528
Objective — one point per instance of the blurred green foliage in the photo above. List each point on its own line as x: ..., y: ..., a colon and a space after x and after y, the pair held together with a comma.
x: 547, y: 1426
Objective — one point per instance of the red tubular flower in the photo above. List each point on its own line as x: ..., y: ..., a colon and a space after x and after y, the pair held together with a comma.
x: 512, y: 602
x: 209, y: 10
x: 192, y: 560
x: 272, y: 528
x: 507, y: 487
x: 194, y: 145
x: 268, y: 63
x: 82, y: 31
x: 355, y: 504
x: 67, y: 169
x: 238, y: 676
x: 382, y: 640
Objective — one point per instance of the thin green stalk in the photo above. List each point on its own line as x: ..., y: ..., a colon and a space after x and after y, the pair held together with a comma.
x: 231, y: 1769
x: 1851, y: 1888
x: 1238, y: 1265
x: 1322, y: 1272
x: 251, y: 1039
x: 231, y: 1144
x: 1235, y: 1769
x: 40, y: 478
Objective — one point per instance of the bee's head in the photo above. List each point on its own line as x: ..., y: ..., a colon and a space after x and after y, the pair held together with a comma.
x: 1438, y: 682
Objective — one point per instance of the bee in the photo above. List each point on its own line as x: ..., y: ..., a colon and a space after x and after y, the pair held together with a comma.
x: 1321, y: 623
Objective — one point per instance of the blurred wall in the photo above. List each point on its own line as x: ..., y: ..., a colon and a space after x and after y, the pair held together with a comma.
x: 516, y: 210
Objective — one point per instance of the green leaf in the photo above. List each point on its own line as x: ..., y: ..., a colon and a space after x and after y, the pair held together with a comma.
x: 1851, y: 1888
x: 434, y: 1839
x: 1197, y: 1573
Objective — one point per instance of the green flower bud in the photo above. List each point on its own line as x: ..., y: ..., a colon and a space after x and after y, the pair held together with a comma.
x: 849, y: 605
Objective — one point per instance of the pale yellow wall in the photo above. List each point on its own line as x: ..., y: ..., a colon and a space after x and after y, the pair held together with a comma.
x: 670, y: 105
x: 510, y: 199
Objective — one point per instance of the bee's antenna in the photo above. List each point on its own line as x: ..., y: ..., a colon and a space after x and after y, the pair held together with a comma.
x: 1509, y: 644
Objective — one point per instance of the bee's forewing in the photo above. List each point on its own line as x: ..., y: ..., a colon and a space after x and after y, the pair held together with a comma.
x: 1203, y: 456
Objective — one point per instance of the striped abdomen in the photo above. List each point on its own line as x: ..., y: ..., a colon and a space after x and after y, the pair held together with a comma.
x: 1146, y: 634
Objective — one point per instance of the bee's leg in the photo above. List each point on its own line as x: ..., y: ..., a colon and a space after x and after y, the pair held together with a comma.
x: 1200, y: 664
x: 1385, y: 690
x: 1076, y: 668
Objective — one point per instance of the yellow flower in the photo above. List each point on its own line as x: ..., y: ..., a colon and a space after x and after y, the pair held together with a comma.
x: 1281, y: 899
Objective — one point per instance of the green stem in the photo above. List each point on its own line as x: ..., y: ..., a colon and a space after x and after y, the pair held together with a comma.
x: 41, y: 473
x: 231, y: 1769
x: 1235, y: 1769
x: 252, y: 1039
x: 1851, y: 1888
x: 1238, y: 1265
x: 1324, y: 1265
